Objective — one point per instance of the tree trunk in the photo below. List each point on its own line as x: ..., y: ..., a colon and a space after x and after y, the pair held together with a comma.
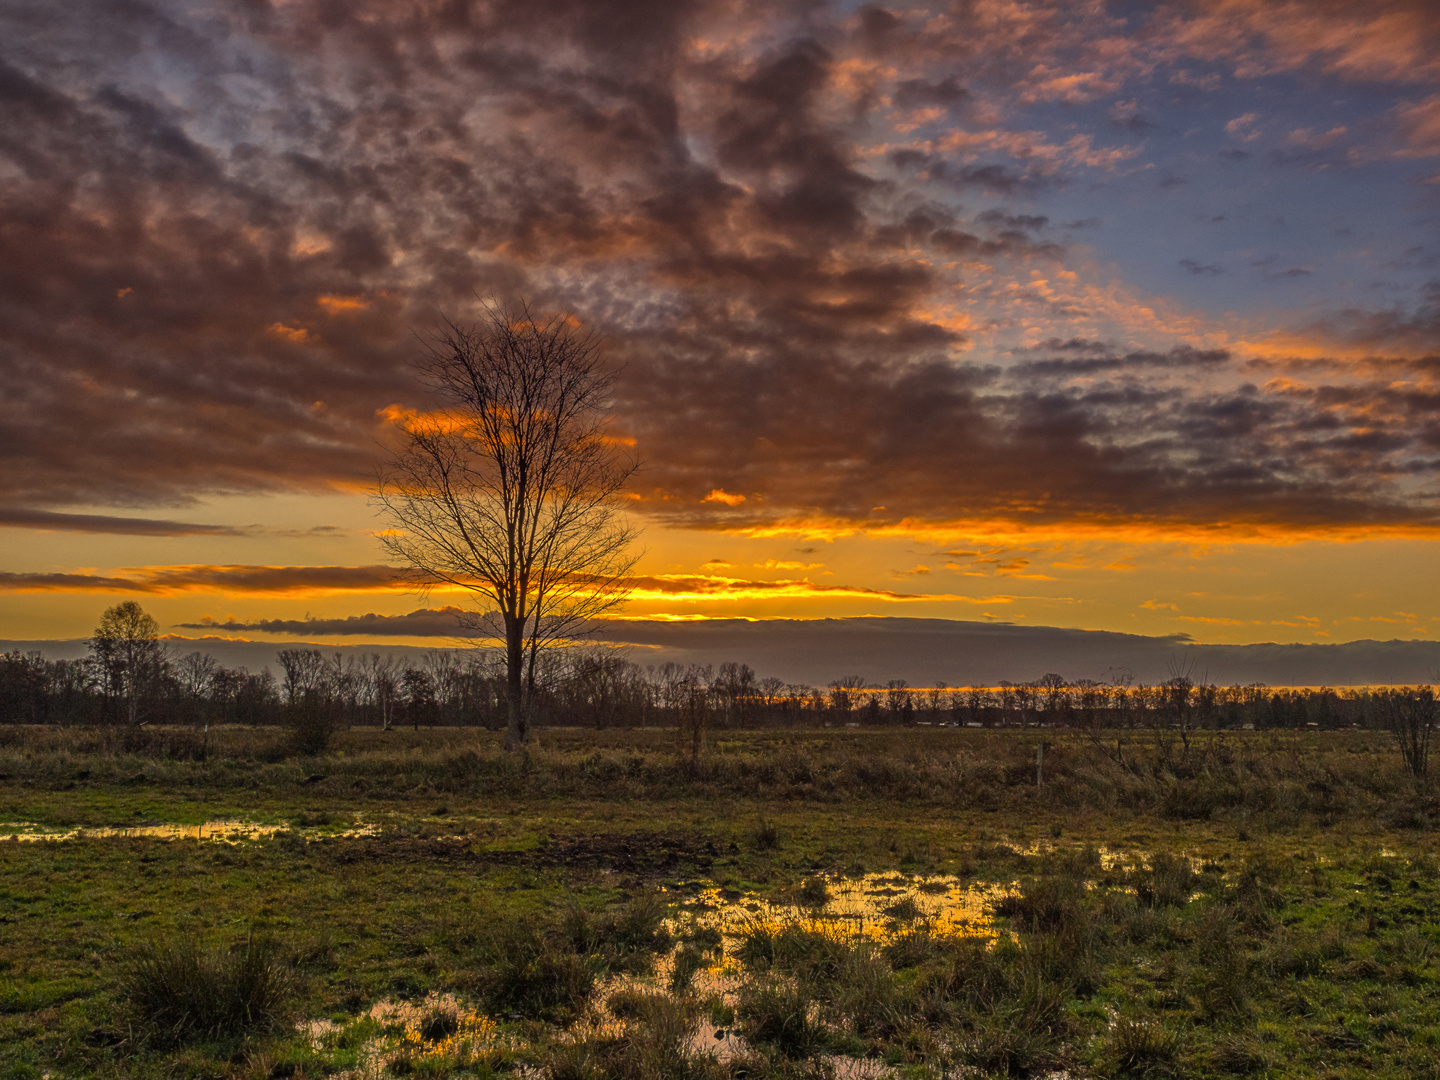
x: 518, y: 729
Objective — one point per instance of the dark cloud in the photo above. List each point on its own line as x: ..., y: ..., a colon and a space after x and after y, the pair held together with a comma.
x: 1101, y: 359
x: 426, y: 622
x: 1271, y: 269
x: 221, y: 228
x: 917, y: 93
x: 994, y: 178
x: 21, y: 517
x: 925, y: 652
x: 1190, y: 266
x: 219, y: 579
x: 1127, y: 444
x: 1412, y: 327
x: 1069, y: 345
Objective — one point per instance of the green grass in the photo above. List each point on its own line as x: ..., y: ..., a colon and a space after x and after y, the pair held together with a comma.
x: 1291, y: 928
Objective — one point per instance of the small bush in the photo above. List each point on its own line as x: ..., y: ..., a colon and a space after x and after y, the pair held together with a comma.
x: 767, y: 835
x: 1008, y: 1044
x: 655, y: 1045
x: 794, y: 950
x: 314, y: 720
x: 177, y: 991
x: 781, y: 1015
x: 626, y: 939
x: 914, y: 947
x: 905, y: 910
x: 813, y: 892
x: 1140, y: 1048
x: 1168, y: 883
x: 1044, y: 904
x: 439, y: 1024
x: 1240, y: 1055
x: 531, y: 975
x: 872, y: 999
x: 688, y: 961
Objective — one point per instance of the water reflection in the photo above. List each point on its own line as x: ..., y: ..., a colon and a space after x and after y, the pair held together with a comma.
x: 874, y: 907
x: 222, y: 830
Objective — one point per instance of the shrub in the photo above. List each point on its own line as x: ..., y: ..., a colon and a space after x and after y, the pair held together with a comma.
x: 1240, y: 1055
x: 1046, y: 904
x: 626, y: 939
x: 807, y: 954
x: 533, y: 976
x: 1168, y: 883
x: 655, y: 1045
x: 813, y: 892
x: 780, y: 1014
x: 688, y: 961
x: 1139, y: 1048
x: 314, y: 720
x: 871, y: 998
x: 178, y: 991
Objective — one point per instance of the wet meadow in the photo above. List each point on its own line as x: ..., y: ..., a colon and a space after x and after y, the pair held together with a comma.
x: 797, y: 903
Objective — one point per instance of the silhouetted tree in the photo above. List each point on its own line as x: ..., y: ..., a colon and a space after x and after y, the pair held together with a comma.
x: 844, y: 693
x: 1411, y: 715
x: 512, y: 491
x: 126, y: 654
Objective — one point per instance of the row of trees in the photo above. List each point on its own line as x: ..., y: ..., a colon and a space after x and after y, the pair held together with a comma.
x: 131, y: 677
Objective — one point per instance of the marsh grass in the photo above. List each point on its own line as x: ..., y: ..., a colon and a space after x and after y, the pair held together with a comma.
x: 528, y: 971
x: 781, y: 1015
x: 1139, y: 1047
x: 1258, y: 942
x: 175, y: 991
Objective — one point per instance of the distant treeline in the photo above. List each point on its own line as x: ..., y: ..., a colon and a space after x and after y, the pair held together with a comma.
x: 599, y: 688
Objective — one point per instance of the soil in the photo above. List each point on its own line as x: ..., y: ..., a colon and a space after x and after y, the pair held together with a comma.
x: 640, y: 853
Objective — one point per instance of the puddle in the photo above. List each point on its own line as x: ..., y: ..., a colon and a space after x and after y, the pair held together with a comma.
x: 427, y: 1037
x: 220, y: 831
x: 873, y: 908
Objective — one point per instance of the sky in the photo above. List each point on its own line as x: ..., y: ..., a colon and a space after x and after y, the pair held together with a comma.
x: 1107, y: 316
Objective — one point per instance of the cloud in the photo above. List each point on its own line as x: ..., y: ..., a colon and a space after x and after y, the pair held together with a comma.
x: 1190, y: 266
x: 1270, y: 269
x: 21, y: 517
x: 718, y: 496
x: 1419, y: 124
x: 444, y: 622
x: 263, y: 580
x: 224, y: 226
x: 718, y: 587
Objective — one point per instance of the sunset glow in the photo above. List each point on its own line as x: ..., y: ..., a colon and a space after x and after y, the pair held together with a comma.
x: 1105, y: 316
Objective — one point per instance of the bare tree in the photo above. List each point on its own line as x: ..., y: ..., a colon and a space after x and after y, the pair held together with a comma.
x: 1411, y: 714
x: 512, y: 491
x: 127, y: 655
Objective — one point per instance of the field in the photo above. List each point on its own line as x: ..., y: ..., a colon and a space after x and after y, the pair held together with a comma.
x: 421, y: 903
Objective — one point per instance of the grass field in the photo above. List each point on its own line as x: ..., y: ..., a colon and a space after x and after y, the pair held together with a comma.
x: 1258, y: 904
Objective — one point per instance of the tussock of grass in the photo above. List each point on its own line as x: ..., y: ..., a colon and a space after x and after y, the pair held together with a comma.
x: 175, y: 991
x: 780, y: 1014
x: 530, y: 973
x: 1138, y: 1047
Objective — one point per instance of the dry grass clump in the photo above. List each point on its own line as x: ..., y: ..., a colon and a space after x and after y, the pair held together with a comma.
x: 177, y: 991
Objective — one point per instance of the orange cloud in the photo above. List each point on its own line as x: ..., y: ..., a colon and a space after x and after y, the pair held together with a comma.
x: 256, y: 580
x: 718, y: 496
x: 714, y: 587
x: 288, y: 333
x: 336, y: 305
